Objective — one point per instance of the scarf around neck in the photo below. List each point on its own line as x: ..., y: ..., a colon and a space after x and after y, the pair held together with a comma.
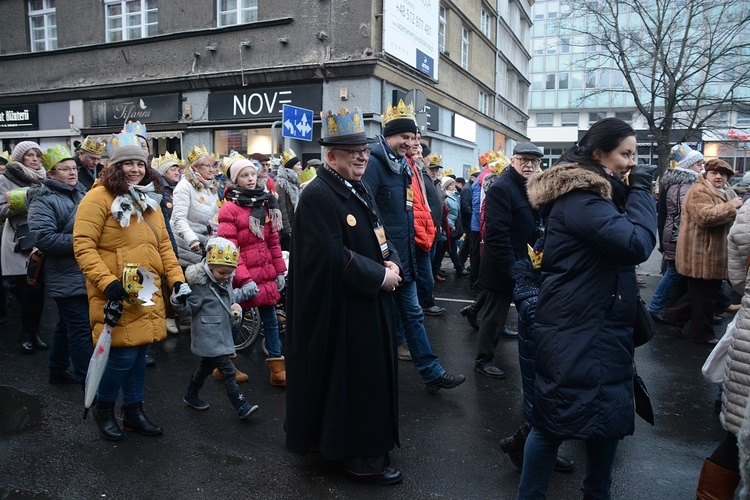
x: 136, y: 201
x: 258, y: 199
x: 23, y: 176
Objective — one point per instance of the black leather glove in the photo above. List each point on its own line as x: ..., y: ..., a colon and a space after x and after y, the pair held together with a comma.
x: 641, y: 177
x: 115, y: 291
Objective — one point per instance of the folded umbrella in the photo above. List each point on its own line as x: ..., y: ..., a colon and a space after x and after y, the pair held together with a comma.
x: 112, y: 314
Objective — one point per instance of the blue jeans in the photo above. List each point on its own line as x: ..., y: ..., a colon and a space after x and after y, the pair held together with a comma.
x: 412, y: 322
x: 271, y: 329
x: 226, y: 368
x: 664, y: 289
x: 424, y: 279
x: 72, y: 341
x: 126, y: 371
x: 540, y: 455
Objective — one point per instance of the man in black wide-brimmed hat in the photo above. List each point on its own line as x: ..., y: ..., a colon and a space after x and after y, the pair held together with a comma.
x: 340, y: 350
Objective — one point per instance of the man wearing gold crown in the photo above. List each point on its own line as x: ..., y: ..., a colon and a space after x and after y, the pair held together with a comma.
x: 389, y: 179
x: 341, y: 385
x: 89, y: 161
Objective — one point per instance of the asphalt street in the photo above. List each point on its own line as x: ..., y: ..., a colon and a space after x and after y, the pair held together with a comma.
x: 449, y: 441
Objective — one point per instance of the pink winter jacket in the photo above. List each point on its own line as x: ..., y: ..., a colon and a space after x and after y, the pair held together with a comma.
x: 260, y: 259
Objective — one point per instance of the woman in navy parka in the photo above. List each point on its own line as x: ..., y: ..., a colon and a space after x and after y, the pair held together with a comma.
x: 598, y: 229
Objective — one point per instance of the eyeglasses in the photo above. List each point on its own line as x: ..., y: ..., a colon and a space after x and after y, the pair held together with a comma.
x: 356, y: 153
x: 524, y: 161
x: 64, y: 170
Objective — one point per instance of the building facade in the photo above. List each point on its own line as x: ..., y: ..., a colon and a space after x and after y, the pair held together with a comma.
x: 571, y: 89
x: 218, y: 73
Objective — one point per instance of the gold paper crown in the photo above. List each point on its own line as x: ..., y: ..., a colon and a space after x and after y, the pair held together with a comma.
x: 167, y: 158
x: 288, y: 155
x: 6, y: 155
x: 93, y: 145
x: 307, y: 174
x: 221, y: 252
x: 535, y: 256
x: 196, y: 153
x: 474, y: 170
x: 227, y: 161
x: 54, y: 155
x: 447, y: 172
x: 398, y: 112
x: 435, y: 159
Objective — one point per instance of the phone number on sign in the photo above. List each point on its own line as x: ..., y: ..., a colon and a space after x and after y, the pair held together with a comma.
x: 413, y: 18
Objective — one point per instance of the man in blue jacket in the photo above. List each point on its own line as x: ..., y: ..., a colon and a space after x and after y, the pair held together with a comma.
x: 388, y: 178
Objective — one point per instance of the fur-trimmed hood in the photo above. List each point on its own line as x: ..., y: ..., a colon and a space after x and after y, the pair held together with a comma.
x: 555, y: 182
x: 677, y: 176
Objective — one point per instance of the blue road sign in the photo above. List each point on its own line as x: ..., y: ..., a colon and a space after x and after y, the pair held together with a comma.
x: 296, y: 123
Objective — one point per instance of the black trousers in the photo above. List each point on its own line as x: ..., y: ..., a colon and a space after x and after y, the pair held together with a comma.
x: 496, y: 309
x: 696, y: 306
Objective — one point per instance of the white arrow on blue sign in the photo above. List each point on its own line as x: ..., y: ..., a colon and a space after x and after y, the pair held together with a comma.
x: 296, y: 123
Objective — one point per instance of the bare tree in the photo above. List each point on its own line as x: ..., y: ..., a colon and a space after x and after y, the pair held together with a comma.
x: 683, y: 61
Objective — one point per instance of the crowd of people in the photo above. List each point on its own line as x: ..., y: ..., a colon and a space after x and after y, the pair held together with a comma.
x: 367, y: 230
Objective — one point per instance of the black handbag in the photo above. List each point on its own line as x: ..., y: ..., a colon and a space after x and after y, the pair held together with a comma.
x: 642, y: 398
x: 35, y: 267
x: 23, y: 238
x: 644, y: 324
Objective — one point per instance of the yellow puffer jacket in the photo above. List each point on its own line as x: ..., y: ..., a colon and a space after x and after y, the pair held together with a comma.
x: 102, y: 248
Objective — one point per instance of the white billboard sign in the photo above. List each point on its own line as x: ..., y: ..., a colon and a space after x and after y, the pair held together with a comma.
x: 410, y: 33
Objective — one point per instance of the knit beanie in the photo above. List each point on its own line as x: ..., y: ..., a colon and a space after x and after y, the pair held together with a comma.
x: 237, y: 167
x: 689, y: 159
x: 399, y: 126
x: 22, y: 148
x: 123, y: 147
x: 163, y: 167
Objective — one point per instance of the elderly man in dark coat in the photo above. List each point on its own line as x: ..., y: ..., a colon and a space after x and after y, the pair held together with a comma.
x: 340, y: 346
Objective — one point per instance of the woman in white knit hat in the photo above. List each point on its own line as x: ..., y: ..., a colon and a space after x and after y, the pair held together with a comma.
x: 25, y: 170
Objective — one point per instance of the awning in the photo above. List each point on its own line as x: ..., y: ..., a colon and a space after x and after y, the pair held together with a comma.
x: 169, y: 134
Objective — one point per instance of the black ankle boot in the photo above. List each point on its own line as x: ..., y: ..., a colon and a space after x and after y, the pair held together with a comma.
x: 104, y: 416
x: 133, y: 419
x: 27, y: 347
x: 515, y: 444
x: 39, y: 343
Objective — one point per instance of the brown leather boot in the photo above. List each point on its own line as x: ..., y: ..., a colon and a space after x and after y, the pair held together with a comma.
x: 716, y: 483
x: 239, y: 376
x: 278, y: 371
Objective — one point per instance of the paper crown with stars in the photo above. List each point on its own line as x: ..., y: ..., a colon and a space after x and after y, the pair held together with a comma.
x: 93, y: 145
x: 221, y: 252
x: 166, y: 161
x: 54, y: 155
x: 136, y: 128
x: 344, y: 128
x: 197, y: 152
x: 435, y: 160
x: 398, y: 119
x: 123, y: 147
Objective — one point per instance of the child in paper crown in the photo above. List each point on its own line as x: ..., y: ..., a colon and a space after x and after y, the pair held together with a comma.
x: 212, y: 306
x: 251, y: 219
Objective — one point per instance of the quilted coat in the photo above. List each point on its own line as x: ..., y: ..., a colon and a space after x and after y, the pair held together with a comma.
x: 102, y: 248
x: 585, y: 312
x: 194, y: 209
x: 701, y: 244
x: 674, y: 186
x: 737, y: 374
x: 260, y: 259
x: 424, y: 227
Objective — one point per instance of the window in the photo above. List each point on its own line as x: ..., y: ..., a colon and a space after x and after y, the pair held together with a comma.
x: 625, y: 116
x: 43, y: 24
x: 465, y: 48
x: 569, y: 119
x: 485, y: 23
x: 441, y: 30
x: 232, y: 12
x: 564, y: 45
x: 562, y: 81
x: 553, y: 7
x: 537, y: 81
x: 538, y: 46
x: 551, y: 80
x: 484, y: 103
x: 544, y: 119
x: 743, y: 119
x: 591, y: 79
x: 595, y: 116
x: 131, y: 19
